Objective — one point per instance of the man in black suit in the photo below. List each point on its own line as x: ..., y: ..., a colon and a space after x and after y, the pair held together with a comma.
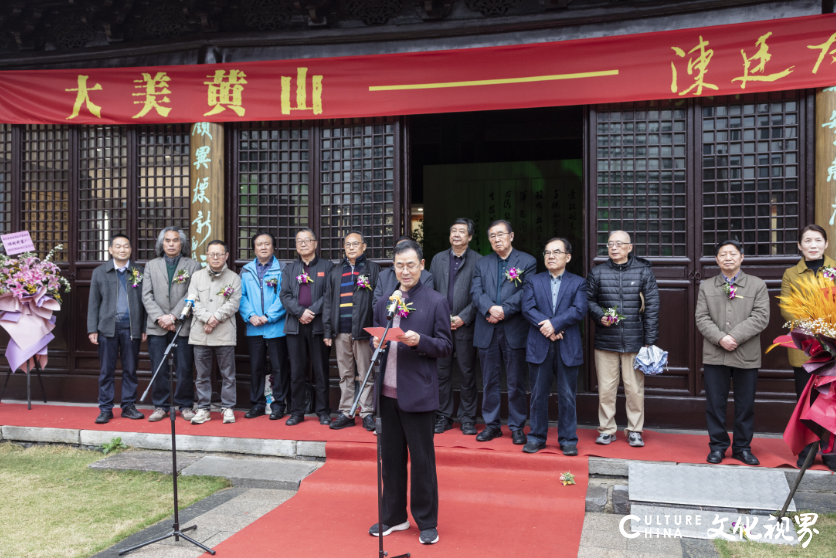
x: 408, y: 384
x: 452, y: 272
x: 387, y: 281
x: 304, y: 283
x: 501, y: 330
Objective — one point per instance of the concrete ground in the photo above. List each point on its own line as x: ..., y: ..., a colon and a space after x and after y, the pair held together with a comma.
x: 601, y: 539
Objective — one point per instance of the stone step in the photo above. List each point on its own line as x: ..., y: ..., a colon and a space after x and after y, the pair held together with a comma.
x: 281, y: 474
x: 730, y: 486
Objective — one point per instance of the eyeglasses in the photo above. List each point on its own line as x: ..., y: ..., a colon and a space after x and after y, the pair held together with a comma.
x: 556, y: 253
x: 411, y: 267
x: 352, y: 244
x: 304, y: 241
x: 497, y: 236
x: 215, y: 255
x: 618, y: 244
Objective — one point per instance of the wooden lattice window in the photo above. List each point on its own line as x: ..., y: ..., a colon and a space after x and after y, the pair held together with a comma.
x: 45, y: 177
x: 5, y: 178
x: 641, y: 185
x: 750, y: 172
x: 357, y: 181
x: 273, y: 182
x: 163, y: 173
x: 102, y: 189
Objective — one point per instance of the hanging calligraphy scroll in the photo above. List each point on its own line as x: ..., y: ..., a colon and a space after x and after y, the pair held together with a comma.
x: 782, y: 54
x: 207, y: 187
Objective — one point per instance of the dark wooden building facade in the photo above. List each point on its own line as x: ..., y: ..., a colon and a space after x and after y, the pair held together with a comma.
x: 679, y: 175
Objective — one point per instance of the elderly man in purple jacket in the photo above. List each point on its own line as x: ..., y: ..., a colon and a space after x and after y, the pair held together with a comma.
x: 408, y: 384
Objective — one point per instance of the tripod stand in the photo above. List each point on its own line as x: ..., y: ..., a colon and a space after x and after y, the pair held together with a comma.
x: 378, y: 426
x: 176, y: 532
x: 37, y: 370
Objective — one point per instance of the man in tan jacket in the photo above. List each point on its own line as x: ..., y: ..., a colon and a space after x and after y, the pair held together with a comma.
x: 732, y: 311
x: 216, y: 291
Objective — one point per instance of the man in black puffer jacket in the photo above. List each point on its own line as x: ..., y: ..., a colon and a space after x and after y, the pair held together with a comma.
x: 622, y: 282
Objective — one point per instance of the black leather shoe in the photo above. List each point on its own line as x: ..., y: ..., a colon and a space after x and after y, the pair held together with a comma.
x: 130, y: 412
x: 468, y: 429
x: 368, y: 423
x: 715, y: 457
x: 533, y: 447
x: 518, y: 437
x: 324, y: 420
x: 488, y: 434
x: 829, y: 460
x: 746, y: 457
x: 294, y: 420
x: 442, y: 424
x: 342, y: 422
x: 276, y: 414
x: 569, y: 450
x: 255, y: 412
x: 104, y: 417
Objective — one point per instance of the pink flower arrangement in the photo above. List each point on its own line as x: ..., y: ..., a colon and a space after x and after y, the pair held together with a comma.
x: 828, y: 272
x: 25, y: 275
x: 731, y: 291
x: 182, y: 276
x: 272, y: 282
x: 226, y: 292
x: 514, y: 275
x: 611, y: 316
x: 363, y: 282
x: 304, y: 278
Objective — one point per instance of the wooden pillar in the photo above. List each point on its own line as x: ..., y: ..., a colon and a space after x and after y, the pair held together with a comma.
x: 206, y: 174
x: 826, y: 164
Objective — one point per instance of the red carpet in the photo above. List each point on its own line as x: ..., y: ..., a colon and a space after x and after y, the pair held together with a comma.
x: 491, y: 504
x: 680, y: 448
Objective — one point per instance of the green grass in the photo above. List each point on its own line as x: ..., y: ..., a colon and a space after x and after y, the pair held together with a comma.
x: 52, y: 505
x: 822, y: 545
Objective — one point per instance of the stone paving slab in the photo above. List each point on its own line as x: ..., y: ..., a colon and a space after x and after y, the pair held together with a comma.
x: 730, y: 486
x: 281, y: 474
x: 657, y: 523
x: 156, y: 461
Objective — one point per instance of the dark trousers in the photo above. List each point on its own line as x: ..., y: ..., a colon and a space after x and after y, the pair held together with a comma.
x: 466, y: 358
x: 717, y: 380
x: 280, y: 368
x: 408, y: 437
x: 801, y: 378
x: 567, y: 391
x: 184, y: 370
x: 516, y: 372
x: 122, y: 346
x: 299, y: 346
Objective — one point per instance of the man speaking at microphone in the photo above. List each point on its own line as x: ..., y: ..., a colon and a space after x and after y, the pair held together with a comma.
x: 408, y: 382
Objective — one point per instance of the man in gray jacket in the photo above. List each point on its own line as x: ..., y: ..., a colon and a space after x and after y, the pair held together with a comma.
x: 452, y: 272
x: 216, y: 291
x: 732, y: 311
x: 116, y: 323
x: 164, y: 290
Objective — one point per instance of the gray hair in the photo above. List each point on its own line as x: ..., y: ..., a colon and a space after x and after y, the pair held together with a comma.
x: 185, y: 248
x: 358, y: 233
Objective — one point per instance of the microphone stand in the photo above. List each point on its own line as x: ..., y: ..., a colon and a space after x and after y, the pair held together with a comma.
x: 177, y: 532
x: 378, y: 430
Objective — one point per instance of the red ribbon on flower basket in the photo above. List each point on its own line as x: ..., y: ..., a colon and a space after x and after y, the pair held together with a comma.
x: 813, y: 416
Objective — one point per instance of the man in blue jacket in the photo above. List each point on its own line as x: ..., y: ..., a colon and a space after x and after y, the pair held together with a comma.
x: 554, y: 303
x: 264, y: 315
x: 501, y: 330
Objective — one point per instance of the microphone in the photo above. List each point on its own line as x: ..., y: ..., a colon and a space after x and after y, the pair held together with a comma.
x: 393, y: 306
x: 186, y: 310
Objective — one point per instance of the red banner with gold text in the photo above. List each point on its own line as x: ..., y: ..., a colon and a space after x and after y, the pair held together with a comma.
x: 771, y: 55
